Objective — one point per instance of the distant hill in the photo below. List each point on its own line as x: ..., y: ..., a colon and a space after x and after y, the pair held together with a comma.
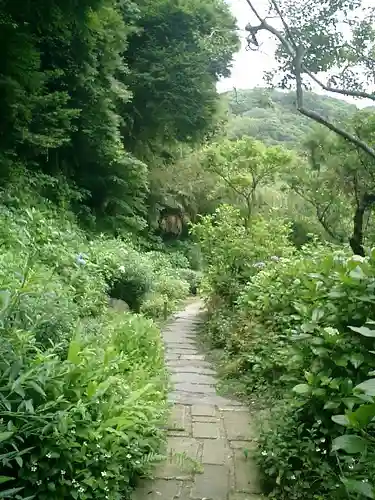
x: 271, y: 115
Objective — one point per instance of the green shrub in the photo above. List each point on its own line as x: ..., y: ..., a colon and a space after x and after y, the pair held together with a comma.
x: 82, y: 388
x: 192, y: 277
x: 157, y: 306
x: 234, y: 253
x: 296, y: 326
x: 83, y: 427
x: 315, y: 331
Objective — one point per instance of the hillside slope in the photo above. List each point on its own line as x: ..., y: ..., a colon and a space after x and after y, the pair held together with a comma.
x: 271, y: 115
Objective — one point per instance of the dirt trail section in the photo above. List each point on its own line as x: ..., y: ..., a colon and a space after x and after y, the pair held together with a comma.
x: 210, y: 438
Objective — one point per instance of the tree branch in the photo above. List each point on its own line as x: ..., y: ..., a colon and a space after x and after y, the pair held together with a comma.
x: 328, y: 88
x: 297, y: 55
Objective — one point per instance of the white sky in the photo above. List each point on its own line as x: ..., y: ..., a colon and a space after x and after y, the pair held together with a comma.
x: 249, y: 66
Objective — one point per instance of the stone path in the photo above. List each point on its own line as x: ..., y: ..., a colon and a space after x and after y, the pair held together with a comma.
x: 210, y: 438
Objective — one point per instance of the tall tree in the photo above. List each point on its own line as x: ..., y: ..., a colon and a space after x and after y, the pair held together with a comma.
x: 341, y: 182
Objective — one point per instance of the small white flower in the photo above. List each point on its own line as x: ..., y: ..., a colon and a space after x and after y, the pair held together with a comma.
x: 98, y: 445
x: 128, y: 455
x: 39, y: 482
x: 104, y: 474
x: 292, y: 476
x: 63, y: 472
x: 81, y: 489
x: 49, y: 455
x: 122, y: 269
x: 33, y: 468
x: 351, y: 467
x: 264, y: 453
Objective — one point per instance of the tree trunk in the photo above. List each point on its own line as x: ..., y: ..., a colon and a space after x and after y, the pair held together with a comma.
x: 356, y: 241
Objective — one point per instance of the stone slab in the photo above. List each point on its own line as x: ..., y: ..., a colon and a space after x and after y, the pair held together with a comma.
x: 203, y: 410
x: 215, y: 452
x: 212, y: 484
x: 206, y: 430
x: 246, y: 474
x: 180, y: 419
x: 238, y: 426
x: 193, y: 378
x: 158, y: 489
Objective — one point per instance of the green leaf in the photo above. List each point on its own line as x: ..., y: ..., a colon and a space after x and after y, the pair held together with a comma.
x: 301, y: 388
x: 5, y: 479
x: 317, y: 314
x: 331, y: 405
x: 356, y: 359
x: 363, y: 330
x: 349, y: 443
x: 357, y: 273
x: 73, y: 353
x: 10, y: 493
x: 341, y: 420
x: 365, y: 489
x: 368, y: 387
x: 5, y: 435
x: 364, y: 414
x: 37, y: 388
x: 91, y: 389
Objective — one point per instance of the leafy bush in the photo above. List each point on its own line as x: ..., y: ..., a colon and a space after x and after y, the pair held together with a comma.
x: 82, y: 389
x: 297, y: 328
x: 234, y: 253
x: 192, y: 277
x: 84, y: 427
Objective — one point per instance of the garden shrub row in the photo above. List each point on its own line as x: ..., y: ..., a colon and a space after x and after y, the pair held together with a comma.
x: 298, y: 331
x: 82, y: 387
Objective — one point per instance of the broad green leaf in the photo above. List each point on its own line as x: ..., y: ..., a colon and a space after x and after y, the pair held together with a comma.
x: 364, y: 414
x: 5, y: 435
x: 301, y: 388
x: 331, y: 405
x: 341, y: 420
x: 363, y: 330
x: 349, y: 443
x: 368, y: 387
x: 357, y: 273
x: 73, y: 353
x: 317, y: 314
x: 365, y: 489
x: 356, y: 359
x: 91, y: 389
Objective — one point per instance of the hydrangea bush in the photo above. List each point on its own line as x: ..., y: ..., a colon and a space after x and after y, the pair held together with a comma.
x: 82, y: 387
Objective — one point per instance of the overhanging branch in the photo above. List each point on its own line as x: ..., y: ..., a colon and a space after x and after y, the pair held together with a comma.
x: 297, y: 54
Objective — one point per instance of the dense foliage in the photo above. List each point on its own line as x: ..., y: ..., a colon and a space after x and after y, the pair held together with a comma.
x: 97, y: 93
x: 292, y: 324
x: 82, y: 386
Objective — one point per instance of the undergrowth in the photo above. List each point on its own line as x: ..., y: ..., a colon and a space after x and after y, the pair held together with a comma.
x: 296, y: 329
x: 82, y: 386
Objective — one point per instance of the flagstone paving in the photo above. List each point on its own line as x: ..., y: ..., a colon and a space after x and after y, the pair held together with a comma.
x: 210, y: 438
